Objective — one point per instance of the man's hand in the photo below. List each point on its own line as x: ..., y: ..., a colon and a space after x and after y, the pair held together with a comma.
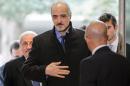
x: 54, y: 69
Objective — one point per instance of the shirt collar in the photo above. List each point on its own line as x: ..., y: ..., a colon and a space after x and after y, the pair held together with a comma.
x: 58, y: 35
x: 93, y: 52
x: 115, y: 44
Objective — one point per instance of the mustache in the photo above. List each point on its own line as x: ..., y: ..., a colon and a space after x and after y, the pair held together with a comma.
x: 28, y: 50
x: 59, y: 24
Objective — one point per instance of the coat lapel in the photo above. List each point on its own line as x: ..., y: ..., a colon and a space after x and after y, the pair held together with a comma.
x: 27, y: 82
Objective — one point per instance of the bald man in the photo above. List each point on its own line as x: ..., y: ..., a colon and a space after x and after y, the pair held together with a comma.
x: 104, y: 67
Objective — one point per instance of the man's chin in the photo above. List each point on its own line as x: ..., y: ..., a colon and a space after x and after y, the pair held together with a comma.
x: 61, y: 29
x: 26, y: 56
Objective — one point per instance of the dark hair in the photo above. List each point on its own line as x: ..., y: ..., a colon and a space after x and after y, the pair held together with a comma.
x: 15, y: 45
x: 106, y: 17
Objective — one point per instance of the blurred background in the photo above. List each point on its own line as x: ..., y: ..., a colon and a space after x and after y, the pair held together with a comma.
x: 17, y: 16
x: 127, y: 20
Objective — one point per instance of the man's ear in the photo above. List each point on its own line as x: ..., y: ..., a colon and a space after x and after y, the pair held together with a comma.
x: 87, y: 38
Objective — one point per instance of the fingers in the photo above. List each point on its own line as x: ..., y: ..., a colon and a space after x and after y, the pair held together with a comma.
x: 63, y: 67
x: 56, y: 63
x: 54, y: 69
x: 63, y: 72
x: 60, y: 76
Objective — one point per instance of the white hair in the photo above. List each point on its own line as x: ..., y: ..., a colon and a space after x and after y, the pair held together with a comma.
x: 27, y: 33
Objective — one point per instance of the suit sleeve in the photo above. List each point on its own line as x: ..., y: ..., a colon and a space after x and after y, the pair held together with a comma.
x: 8, y: 75
x: 31, y: 68
x: 88, y: 73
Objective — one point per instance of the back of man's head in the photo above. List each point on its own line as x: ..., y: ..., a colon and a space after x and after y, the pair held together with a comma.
x: 15, y: 49
x: 96, y: 34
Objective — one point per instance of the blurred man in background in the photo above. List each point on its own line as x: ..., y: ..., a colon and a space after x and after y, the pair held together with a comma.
x: 15, y: 52
x: 1, y: 74
x: 114, y: 37
x: 15, y: 49
x: 12, y: 71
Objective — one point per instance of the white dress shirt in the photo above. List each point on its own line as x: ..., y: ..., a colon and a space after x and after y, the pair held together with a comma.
x: 113, y: 46
x: 93, y: 52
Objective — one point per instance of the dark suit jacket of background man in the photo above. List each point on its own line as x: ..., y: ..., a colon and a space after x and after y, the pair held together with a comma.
x: 13, y: 75
x: 104, y: 68
x: 46, y: 49
x: 128, y: 51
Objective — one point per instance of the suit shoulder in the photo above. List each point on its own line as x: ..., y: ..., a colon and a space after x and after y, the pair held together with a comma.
x: 110, y: 57
x: 45, y: 34
x: 13, y: 63
x: 86, y: 60
x: 78, y: 33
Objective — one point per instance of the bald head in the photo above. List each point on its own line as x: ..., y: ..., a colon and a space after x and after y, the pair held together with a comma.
x: 96, y: 34
x: 96, y: 30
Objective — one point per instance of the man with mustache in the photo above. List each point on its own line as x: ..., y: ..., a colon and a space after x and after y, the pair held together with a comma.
x: 56, y: 54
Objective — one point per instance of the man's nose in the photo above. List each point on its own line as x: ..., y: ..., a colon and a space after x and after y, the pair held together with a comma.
x: 29, y: 46
x: 59, y: 19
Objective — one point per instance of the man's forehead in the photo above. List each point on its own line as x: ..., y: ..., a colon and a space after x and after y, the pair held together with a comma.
x: 62, y: 10
x: 59, y: 5
x: 59, y: 8
x: 60, y: 14
x: 109, y: 22
x: 27, y: 40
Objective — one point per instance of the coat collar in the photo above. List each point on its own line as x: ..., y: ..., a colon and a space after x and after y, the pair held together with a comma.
x: 70, y: 30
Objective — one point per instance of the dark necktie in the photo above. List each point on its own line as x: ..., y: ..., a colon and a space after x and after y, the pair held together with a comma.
x: 63, y: 42
x: 35, y: 83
